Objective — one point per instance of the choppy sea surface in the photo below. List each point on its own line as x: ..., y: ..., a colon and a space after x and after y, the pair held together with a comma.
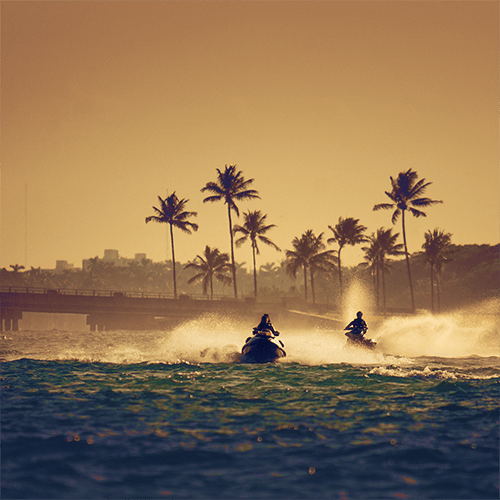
x: 171, y: 414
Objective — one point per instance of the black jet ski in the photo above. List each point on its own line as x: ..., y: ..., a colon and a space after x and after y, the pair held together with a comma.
x: 355, y: 338
x: 262, y: 347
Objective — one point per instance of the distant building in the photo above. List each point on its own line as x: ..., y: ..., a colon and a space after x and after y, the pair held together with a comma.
x: 112, y: 256
x: 62, y: 265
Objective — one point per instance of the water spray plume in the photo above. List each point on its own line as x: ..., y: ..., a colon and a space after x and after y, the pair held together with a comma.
x: 459, y: 333
x: 357, y: 298
x: 218, y: 339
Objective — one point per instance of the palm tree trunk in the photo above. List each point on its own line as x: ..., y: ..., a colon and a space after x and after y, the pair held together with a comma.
x: 372, y: 272
x: 383, y: 286
x: 408, y: 263
x: 312, y: 286
x: 232, y: 251
x: 305, y: 282
x: 211, y: 288
x: 438, y: 286
x: 254, y: 274
x: 340, y: 279
x: 173, y: 259
x: 432, y: 287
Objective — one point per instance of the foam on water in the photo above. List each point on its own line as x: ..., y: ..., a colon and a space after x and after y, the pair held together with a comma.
x: 429, y: 373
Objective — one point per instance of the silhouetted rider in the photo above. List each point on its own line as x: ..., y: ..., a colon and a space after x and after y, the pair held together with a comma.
x: 265, y: 324
x: 357, y: 326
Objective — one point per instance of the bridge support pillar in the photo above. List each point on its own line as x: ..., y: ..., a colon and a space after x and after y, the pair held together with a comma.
x: 91, y: 321
x: 10, y: 320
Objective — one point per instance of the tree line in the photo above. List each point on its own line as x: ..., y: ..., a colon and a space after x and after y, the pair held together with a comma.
x: 214, y: 269
x: 470, y: 275
x: 309, y: 252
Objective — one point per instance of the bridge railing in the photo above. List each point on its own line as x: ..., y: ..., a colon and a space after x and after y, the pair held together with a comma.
x: 104, y: 293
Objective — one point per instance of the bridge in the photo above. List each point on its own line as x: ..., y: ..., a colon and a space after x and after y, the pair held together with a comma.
x: 111, y: 310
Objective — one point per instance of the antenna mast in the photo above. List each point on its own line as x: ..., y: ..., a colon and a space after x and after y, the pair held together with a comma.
x: 26, y: 224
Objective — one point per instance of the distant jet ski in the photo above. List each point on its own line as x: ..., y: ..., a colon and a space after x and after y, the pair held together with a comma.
x: 355, y: 338
x: 262, y: 347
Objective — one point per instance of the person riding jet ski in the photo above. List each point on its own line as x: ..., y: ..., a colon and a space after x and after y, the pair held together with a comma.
x: 357, y: 327
x: 265, y: 324
x: 263, y: 346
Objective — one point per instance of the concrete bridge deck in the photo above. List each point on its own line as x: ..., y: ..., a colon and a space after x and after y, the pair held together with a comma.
x: 111, y: 309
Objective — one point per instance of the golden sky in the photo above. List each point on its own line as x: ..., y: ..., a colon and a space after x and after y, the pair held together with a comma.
x: 106, y: 105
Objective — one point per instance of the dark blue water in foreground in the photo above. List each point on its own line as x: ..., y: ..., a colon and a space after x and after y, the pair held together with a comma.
x: 78, y: 422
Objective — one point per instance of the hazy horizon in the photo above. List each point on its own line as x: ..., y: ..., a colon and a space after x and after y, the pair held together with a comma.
x: 106, y: 105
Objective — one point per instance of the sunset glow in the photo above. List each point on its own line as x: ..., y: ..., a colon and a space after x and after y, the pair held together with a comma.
x: 106, y: 105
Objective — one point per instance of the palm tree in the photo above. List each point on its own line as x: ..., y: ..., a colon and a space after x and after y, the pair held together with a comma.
x: 436, y: 250
x: 269, y: 269
x: 383, y: 243
x: 254, y: 227
x: 308, y: 255
x: 406, y: 194
x: 346, y: 232
x: 230, y: 187
x: 16, y: 267
x: 172, y: 211
x: 212, y: 264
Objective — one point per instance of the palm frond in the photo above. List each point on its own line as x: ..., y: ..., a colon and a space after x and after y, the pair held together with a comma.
x: 267, y: 241
x: 395, y: 215
x: 382, y: 206
x: 424, y: 202
x: 419, y: 188
x: 417, y: 213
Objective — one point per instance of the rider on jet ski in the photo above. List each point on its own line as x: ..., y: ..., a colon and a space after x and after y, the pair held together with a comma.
x: 357, y: 327
x: 265, y: 324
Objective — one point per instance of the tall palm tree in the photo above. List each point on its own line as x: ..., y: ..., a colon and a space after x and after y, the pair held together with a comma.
x: 437, y: 247
x: 212, y: 264
x: 254, y: 228
x: 406, y: 194
x: 308, y: 255
x: 230, y: 187
x: 172, y: 212
x: 383, y: 243
x: 346, y: 232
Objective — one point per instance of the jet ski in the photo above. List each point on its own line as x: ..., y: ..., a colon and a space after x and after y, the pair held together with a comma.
x: 355, y: 338
x: 262, y: 347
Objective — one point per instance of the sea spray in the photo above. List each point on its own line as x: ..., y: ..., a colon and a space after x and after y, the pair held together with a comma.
x: 218, y: 339
x: 209, y: 340
x: 452, y: 334
x: 358, y: 297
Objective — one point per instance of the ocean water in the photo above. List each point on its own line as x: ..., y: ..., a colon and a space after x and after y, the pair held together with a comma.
x: 173, y: 415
